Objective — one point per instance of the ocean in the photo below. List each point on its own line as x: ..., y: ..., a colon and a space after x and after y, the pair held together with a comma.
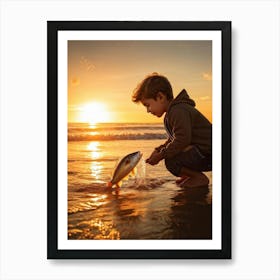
x: 148, y: 205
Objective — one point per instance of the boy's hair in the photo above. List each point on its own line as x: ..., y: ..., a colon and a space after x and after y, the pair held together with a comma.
x: 151, y: 86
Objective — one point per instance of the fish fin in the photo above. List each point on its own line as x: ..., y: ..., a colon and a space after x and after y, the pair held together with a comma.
x: 119, y: 184
x: 134, y: 171
x: 126, y: 177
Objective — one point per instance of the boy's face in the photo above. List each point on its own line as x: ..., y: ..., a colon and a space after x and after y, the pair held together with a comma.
x: 156, y: 107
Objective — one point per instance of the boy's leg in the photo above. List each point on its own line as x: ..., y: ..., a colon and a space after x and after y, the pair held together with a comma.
x: 188, y: 165
x: 195, y: 178
x: 182, y: 179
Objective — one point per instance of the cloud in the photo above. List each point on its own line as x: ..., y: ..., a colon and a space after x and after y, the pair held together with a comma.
x: 207, y: 76
x: 86, y: 64
x: 204, y: 98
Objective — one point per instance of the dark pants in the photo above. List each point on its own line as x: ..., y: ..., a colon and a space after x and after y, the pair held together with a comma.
x: 192, y: 159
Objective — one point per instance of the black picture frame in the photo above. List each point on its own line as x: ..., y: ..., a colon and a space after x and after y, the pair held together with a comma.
x: 53, y: 252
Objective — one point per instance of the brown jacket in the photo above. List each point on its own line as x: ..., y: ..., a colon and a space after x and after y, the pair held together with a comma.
x: 185, y: 126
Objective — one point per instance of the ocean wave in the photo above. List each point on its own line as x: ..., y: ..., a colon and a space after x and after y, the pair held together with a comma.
x: 86, y: 129
x: 89, y: 160
x: 112, y: 137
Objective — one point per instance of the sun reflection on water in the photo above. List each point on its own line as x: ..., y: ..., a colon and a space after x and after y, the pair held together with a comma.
x: 93, y: 147
x: 95, y: 154
x: 96, y: 170
x: 94, y: 229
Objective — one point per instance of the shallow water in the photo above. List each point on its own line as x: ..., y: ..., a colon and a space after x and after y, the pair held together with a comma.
x: 150, y: 206
x: 159, y: 211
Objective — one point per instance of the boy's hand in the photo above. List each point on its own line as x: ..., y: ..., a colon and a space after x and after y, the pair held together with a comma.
x: 154, y: 158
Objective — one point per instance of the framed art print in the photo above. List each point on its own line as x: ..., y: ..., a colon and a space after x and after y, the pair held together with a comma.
x: 139, y: 140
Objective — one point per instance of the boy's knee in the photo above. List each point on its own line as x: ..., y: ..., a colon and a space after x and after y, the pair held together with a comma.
x: 173, y: 166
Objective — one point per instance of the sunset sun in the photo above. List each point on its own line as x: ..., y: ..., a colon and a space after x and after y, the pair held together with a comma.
x: 94, y: 113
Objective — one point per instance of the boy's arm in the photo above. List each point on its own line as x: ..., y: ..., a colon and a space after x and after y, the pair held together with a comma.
x: 159, y: 148
x: 157, y: 153
x: 180, y: 121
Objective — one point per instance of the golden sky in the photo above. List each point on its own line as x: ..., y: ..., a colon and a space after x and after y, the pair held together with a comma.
x: 103, y: 74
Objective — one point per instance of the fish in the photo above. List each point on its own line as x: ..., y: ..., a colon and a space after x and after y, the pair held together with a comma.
x: 125, y: 167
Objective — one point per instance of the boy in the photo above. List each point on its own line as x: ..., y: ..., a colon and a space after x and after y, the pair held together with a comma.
x: 188, y: 150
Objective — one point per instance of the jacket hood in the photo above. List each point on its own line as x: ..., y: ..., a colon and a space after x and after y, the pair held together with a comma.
x: 183, y: 97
